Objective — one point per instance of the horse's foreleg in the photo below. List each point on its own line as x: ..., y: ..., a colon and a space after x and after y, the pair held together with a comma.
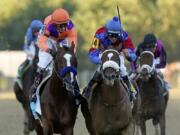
x: 87, y: 116
x: 162, y: 123
x: 47, y: 130
x: 137, y: 130
x: 143, y: 127
x: 39, y: 130
x: 68, y: 131
x: 130, y: 130
x: 26, y: 123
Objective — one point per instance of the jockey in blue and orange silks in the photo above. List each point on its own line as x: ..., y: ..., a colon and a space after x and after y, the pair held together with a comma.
x: 156, y: 46
x: 58, y: 29
x: 113, y: 35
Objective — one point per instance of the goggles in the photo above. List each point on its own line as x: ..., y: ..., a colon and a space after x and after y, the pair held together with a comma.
x: 113, y: 35
x: 60, y: 26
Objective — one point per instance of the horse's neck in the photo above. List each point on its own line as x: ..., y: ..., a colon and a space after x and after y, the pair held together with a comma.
x: 151, y: 87
x: 56, y: 86
x: 113, y: 94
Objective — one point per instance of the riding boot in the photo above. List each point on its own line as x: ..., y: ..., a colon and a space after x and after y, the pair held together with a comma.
x: 33, y: 98
x: 95, y: 80
x: 37, y: 81
x: 131, y: 89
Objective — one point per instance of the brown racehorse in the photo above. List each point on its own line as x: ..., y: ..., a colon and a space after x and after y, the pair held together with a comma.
x: 109, y: 102
x: 58, y: 98
x: 22, y: 94
x: 153, y: 102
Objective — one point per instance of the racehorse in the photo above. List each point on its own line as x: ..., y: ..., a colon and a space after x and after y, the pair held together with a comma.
x: 153, y: 102
x: 109, y: 102
x: 58, y: 95
x: 22, y: 92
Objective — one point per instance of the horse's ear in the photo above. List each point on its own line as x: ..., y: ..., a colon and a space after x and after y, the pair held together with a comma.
x: 72, y: 46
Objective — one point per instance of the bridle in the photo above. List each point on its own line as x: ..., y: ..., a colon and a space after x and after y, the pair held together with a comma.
x: 110, y: 63
x: 146, y: 69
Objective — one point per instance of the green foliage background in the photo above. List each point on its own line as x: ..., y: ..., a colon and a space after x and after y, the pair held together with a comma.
x: 138, y: 17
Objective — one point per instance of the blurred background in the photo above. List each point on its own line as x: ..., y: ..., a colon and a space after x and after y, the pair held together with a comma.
x: 138, y: 18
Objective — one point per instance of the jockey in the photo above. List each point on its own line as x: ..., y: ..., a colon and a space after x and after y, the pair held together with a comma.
x: 29, y: 45
x: 58, y: 30
x: 112, y: 34
x: 151, y: 43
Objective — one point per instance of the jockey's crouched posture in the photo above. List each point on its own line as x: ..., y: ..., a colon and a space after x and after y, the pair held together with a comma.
x: 113, y: 35
x: 29, y: 47
x: 151, y: 43
x: 58, y: 29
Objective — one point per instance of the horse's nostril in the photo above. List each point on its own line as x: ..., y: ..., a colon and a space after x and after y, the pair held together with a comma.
x: 144, y: 71
x: 113, y: 76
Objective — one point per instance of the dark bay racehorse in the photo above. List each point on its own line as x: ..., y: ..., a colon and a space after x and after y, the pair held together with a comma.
x: 22, y: 94
x: 58, y: 102
x: 109, y: 102
x: 153, y: 103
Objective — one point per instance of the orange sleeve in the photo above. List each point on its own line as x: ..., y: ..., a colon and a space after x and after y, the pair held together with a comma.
x: 72, y: 37
x: 42, y: 38
x: 42, y: 43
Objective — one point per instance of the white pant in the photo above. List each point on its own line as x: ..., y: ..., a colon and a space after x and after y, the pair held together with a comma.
x: 123, y: 71
x: 44, y: 59
x: 30, y: 51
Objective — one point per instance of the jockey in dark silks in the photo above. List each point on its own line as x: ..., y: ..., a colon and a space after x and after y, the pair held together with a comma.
x: 113, y: 35
x: 30, y: 46
x: 151, y: 43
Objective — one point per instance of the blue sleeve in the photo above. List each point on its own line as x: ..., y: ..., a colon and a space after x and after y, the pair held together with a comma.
x: 132, y: 54
x: 94, y: 56
x: 28, y: 36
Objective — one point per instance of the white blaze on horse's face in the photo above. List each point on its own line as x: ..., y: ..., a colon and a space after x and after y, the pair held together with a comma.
x: 68, y: 60
x: 110, y: 63
x: 110, y: 55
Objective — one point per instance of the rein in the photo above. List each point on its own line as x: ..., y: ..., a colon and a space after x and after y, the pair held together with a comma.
x: 61, y: 73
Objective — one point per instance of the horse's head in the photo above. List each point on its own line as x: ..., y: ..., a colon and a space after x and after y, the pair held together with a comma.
x: 66, y: 66
x: 110, y: 66
x: 146, y: 65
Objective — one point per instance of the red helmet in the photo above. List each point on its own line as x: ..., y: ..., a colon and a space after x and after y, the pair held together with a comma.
x: 60, y: 16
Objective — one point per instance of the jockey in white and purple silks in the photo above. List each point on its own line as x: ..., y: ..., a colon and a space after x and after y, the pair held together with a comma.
x: 151, y: 43
x: 112, y: 34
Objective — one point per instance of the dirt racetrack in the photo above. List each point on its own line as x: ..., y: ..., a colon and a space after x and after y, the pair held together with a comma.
x: 11, y: 116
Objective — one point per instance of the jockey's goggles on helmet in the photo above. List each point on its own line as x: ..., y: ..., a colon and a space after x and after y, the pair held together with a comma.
x: 35, y: 30
x: 151, y: 46
x: 60, y: 26
x: 113, y: 35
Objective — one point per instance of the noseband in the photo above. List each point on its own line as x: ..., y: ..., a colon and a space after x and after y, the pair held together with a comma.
x: 110, y: 63
x: 144, y: 68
